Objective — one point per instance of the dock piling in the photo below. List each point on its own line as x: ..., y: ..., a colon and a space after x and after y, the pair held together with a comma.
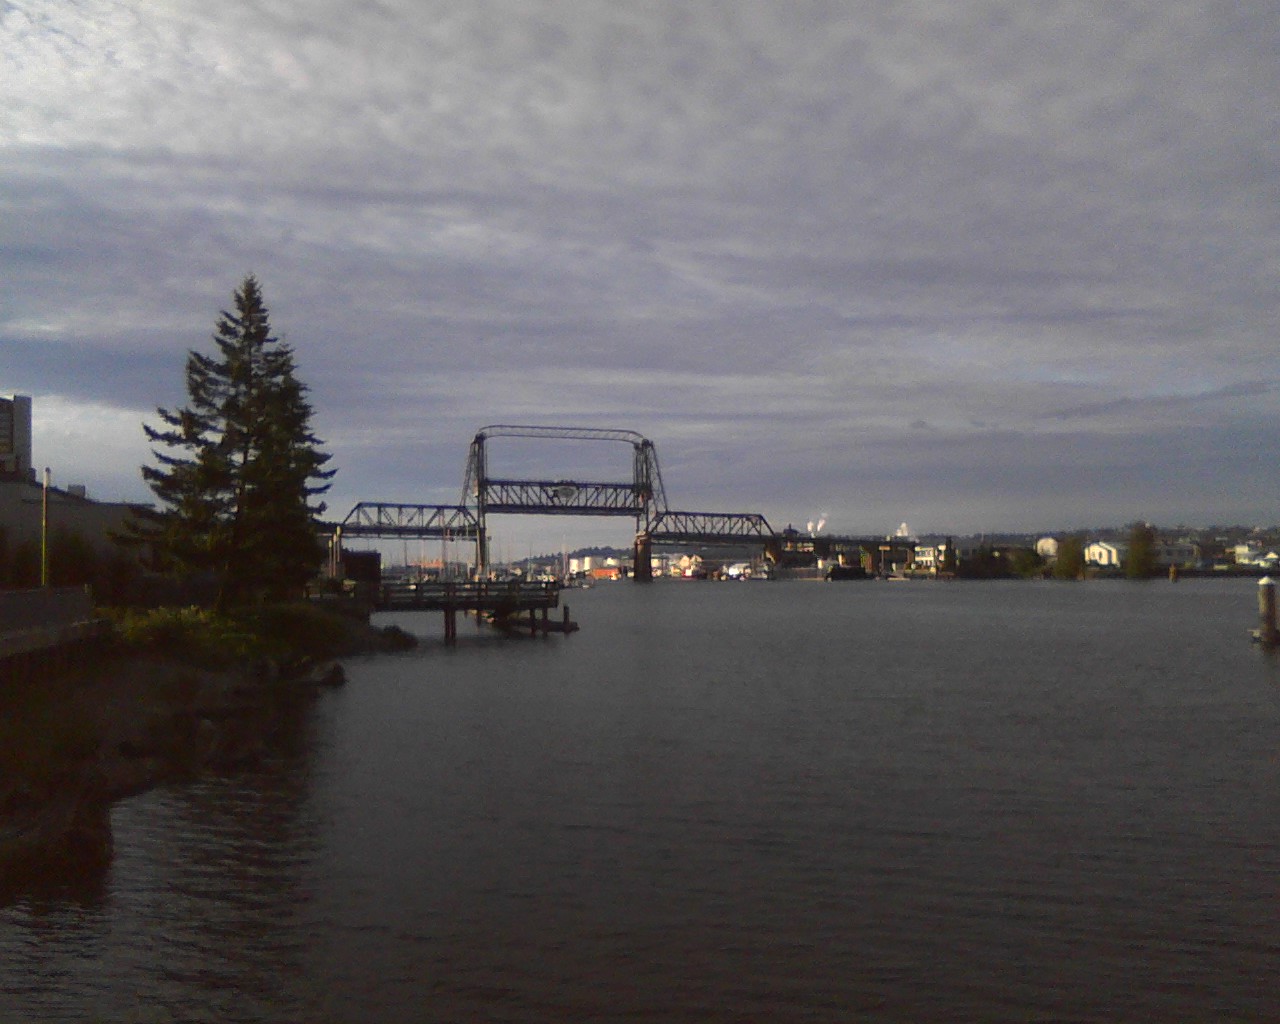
x: 1267, y: 633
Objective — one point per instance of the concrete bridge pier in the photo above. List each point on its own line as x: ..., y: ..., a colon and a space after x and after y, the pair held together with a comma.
x: 642, y: 560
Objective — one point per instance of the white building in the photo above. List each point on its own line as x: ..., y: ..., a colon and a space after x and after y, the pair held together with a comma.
x: 1106, y: 554
x: 930, y: 557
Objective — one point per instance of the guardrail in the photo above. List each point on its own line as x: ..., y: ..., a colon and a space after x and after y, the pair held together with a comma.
x: 485, y: 595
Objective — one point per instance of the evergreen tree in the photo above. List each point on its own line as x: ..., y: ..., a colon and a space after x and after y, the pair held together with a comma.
x: 949, y: 562
x: 242, y: 467
x: 1069, y: 564
x: 1141, y: 561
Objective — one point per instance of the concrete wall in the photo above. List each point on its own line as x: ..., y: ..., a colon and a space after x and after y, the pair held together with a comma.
x: 52, y: 606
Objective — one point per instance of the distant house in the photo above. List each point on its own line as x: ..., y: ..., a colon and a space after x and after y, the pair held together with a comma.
x: 1106, y: 554
x: 1256, y: 555
x: 1183, y: 554
x: 1112, y: 554
x: 929, y: 557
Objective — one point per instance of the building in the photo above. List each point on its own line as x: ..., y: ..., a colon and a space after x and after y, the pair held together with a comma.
x: 23, y: 496
x: 1106, y: 554
x: 931, y: 558
x: 15, y: 438
x: 1183, y: 554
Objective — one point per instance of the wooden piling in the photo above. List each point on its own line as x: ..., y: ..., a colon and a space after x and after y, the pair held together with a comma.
x: 1267, y: 634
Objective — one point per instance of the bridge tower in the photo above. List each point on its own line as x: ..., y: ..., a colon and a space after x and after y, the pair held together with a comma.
x: 641, y: 498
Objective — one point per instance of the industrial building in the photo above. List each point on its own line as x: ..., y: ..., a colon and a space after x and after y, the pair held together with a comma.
x: 23, y: 509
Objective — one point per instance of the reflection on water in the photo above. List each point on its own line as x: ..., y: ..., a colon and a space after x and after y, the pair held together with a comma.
x: 723, y: 802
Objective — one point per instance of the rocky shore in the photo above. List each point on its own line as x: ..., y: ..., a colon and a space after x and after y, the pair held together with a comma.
x: 75, y: 745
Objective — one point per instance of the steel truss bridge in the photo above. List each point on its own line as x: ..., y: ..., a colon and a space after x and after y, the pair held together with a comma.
x: 641, y: 498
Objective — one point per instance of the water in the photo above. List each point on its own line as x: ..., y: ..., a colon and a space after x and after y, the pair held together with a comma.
x: 722, y: 802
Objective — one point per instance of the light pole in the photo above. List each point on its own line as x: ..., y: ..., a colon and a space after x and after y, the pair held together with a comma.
x: 44, y: 531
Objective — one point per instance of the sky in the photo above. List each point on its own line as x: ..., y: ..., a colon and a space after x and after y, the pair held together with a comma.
x: 977, y: 266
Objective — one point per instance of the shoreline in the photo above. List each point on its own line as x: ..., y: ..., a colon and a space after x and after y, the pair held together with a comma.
x: 120, y: 724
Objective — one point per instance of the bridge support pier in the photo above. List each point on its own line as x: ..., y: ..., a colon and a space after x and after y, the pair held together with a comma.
x: 642, y: 560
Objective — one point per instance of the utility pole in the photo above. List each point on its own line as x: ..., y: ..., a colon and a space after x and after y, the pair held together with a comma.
x: 44, y: 531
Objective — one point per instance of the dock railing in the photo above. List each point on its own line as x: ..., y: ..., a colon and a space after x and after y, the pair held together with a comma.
x: 483, y: 595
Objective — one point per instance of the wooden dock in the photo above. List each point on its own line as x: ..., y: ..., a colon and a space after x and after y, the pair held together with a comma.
x: 513, y: 605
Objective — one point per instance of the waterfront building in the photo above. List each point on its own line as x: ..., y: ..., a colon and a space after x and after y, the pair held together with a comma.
x: 23, y: 496
x: 1106, y: 554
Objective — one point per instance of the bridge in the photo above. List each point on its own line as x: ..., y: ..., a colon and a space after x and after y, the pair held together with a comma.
x: 641, y: 498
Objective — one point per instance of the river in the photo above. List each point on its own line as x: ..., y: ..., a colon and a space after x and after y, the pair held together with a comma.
x: 722, y: 802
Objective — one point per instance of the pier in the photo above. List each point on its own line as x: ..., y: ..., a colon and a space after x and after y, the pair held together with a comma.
x: 513, y: 605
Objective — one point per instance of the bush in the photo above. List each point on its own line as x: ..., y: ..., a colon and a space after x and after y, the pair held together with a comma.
x: 191, y: 635
x: 290, y: 632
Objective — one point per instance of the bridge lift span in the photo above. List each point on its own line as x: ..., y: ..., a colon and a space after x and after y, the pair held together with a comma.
x: 641, y: 498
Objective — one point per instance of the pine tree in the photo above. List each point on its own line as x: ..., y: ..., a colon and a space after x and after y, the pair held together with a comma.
x: 1069, y: 564
x: 1141, y: 561
x: 243, y: 466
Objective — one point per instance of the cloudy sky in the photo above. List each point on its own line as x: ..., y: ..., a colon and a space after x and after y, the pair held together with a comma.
x: 972, y: 265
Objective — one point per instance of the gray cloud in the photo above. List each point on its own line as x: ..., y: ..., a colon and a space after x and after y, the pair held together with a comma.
x: 776, y: 238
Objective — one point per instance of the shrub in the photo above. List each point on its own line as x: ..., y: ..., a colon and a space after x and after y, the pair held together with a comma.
x: 192, y: 635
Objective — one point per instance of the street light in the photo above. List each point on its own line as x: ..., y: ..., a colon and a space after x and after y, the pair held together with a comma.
x: 44, y: 531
